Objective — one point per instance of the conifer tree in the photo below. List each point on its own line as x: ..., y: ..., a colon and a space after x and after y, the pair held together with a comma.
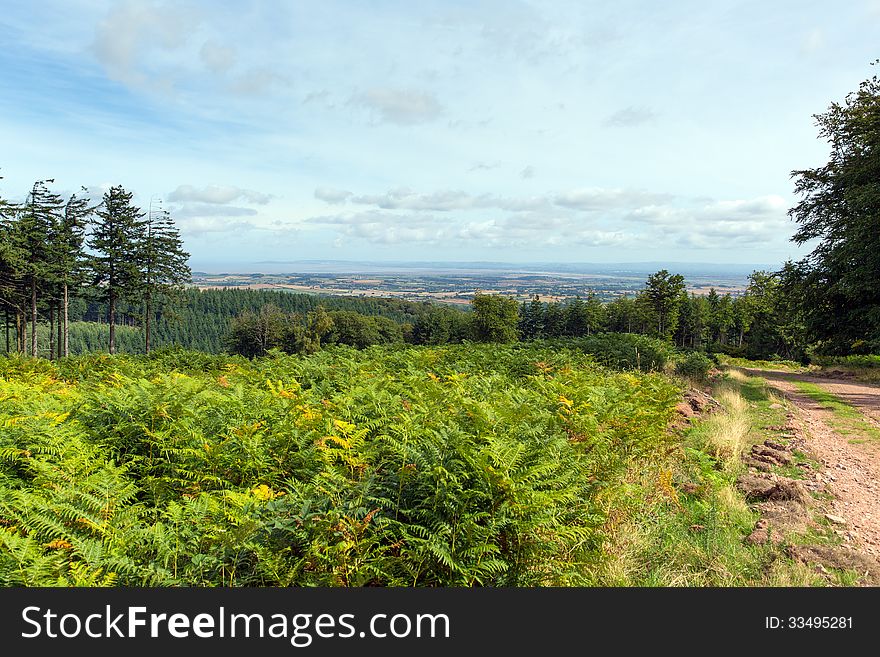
x: 38, y: 220
x: 115, y: 238
x: 163, y: 262
x: 577, y: 323
x: 596, y: 313
x: 69, y: 258
x: 11, y: 266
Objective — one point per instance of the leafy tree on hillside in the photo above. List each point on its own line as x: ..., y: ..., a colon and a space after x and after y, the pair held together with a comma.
x: 719, y: 316
x: 773, y: 328
x: 623, y: 315
x: 837, y: 284
x: 254, y: 334
x: 495, y: 318
x: 662, y: 296
x: 597, y: 315
x: 116, y: 240
x: 691, y: 321
x: 441, y: 325
x: 304, y: 337
x: 741, y: 321
x: 353, y: 329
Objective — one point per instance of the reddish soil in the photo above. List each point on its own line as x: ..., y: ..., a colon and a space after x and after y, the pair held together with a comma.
x: 850, y: 470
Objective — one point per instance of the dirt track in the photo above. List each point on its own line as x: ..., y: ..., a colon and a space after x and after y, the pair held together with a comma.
x: 851, y: 470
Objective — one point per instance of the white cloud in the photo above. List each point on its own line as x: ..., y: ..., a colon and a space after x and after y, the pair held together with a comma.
x: 603, y: 199
x: 528, y: 172
x: 332, y: 195
x: 199, y: 226
x: 386, y: 228
x: 401, y: 107
x: 442, y: 201
x: 589, y: 218
x: 205, y: 210
x: 131, y: 30
x: 217, y: 194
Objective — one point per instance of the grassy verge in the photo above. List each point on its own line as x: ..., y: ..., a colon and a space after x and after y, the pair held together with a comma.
x: 785, y: 365
x: 768, y: 413
x: 869, y: 375
x: 846, y: 419
x: 686, y: 523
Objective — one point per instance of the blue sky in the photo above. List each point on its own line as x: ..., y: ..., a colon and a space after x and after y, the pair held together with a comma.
x: 454, y: 130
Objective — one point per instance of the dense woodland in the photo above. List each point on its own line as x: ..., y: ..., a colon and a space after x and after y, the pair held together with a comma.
x: 54, y: 250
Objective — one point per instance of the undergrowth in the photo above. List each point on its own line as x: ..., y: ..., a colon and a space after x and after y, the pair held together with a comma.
x: 450, y: 466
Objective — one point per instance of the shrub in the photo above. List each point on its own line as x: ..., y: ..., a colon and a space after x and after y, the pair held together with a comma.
x: 627, y: 351
x: 694, y: 365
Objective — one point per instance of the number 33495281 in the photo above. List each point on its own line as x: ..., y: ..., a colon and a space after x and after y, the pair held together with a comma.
x: 808, y: 622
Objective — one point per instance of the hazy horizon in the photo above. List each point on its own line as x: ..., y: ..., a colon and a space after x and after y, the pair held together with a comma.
x: 377, y: 266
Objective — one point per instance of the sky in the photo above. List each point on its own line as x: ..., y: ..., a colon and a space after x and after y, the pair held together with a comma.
x: 453, y: 130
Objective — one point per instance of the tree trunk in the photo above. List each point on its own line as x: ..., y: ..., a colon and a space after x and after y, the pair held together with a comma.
x: 6, y: 315
x: 112, y: 320
x: 19, y: 332
x: 51, y: 331
x: 33, y: 317
x: 66, y: 350
x: 59, y: 349
x: 149, y: 310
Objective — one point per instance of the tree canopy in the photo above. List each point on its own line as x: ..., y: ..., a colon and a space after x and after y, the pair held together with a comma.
x: 836, y: 284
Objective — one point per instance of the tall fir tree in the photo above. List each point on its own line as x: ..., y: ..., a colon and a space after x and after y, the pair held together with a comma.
x: 38, y: 221
x: 163, y: 262
x: 11, y: 275
x: 116, y: 236
x: 69, y: 256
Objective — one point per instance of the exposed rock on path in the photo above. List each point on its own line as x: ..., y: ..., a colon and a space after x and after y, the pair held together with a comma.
x: 850, y: 470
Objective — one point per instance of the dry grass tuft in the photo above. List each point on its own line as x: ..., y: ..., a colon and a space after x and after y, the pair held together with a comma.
x: 727, y: 433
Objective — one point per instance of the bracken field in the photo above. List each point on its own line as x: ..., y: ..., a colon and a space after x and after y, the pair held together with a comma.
x: 449, y: 466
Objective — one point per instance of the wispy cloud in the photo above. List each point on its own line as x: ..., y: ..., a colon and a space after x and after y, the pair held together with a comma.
x: 399, y: 106
x: 132, y: 30
x: 332, y: 195
x: 217, y: 194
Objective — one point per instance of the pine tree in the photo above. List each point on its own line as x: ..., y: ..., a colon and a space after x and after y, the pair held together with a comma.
x: 115, y: 239
x: 163, y: 262
x: 577, y: 321
x: 11, y: 276
x: 596, y: 313
x: 38, y: 221
x: 69, y: 258
x: 554, y: 320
